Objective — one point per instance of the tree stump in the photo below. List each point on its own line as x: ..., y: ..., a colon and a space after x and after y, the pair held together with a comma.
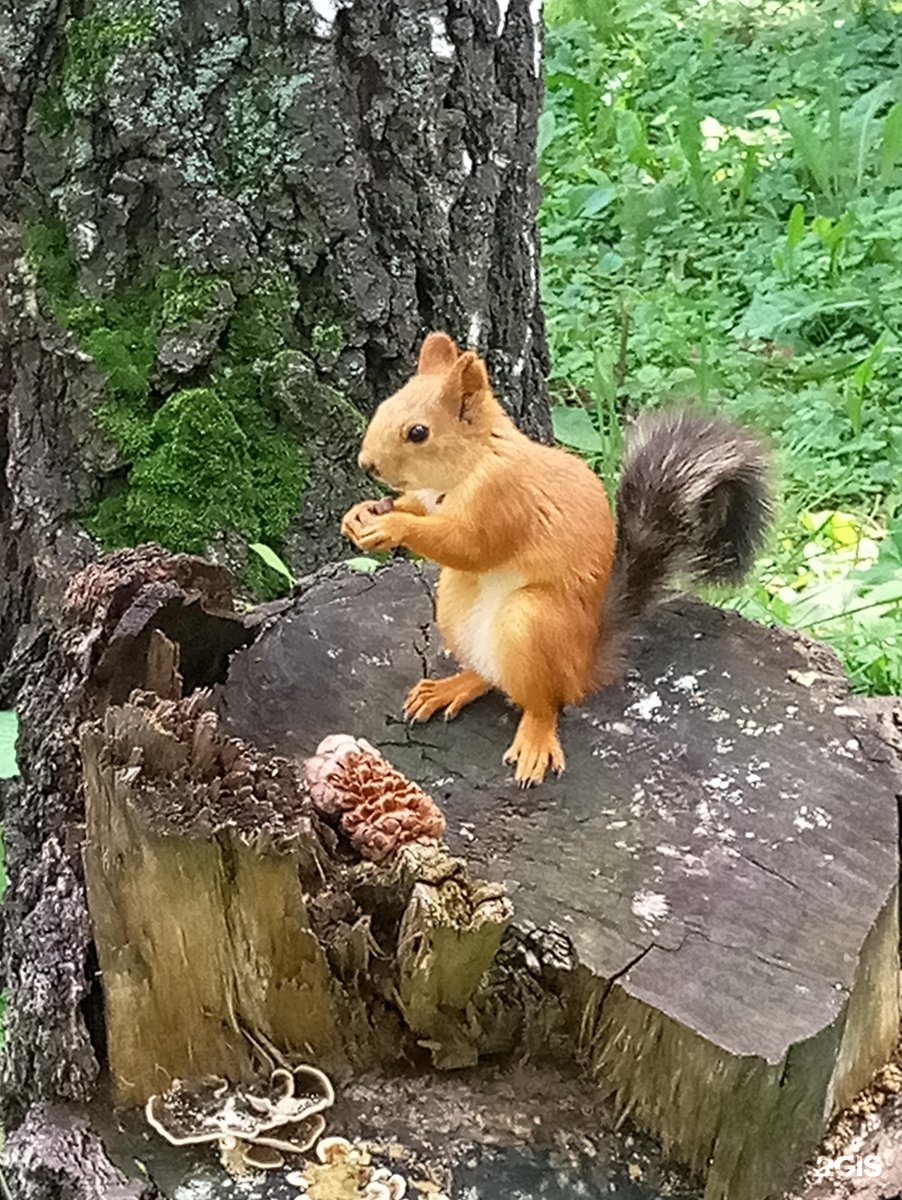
x: 703, y: 941
x: 719, y: 861
x: 104, y: 643
x: 229, y: 933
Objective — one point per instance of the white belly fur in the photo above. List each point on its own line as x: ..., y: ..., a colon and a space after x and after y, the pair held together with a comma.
x: 429, y: 499
x: 477, y: 635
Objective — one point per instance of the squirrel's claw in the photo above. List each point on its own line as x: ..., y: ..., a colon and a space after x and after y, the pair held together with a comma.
x: 535, y: 750
x: 428, y: 696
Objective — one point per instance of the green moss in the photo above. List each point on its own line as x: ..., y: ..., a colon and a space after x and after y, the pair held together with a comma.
x: 50, y: 260
x: 204, y: 472
x: 327, y: 339
x: 52, y: 110
x: 186, y: 296
x: 93, y: 43
x: 203, y: 460
x: 262, y: 323
x: 119, y: 330
x: 90, y: 47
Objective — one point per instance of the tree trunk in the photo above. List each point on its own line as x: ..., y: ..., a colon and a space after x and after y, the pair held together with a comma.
x: 226, y: 231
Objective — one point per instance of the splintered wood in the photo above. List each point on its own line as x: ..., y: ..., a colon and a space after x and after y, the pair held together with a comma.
x: 234, y: 930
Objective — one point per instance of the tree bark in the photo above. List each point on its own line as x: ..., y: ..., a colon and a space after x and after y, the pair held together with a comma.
x: 251, y: 213
x: 103, y: 646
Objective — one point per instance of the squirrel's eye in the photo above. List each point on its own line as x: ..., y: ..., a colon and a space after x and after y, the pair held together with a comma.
x: 417, y: 433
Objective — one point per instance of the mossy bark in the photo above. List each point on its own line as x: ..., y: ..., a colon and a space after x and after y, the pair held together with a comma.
x: 197, y: 214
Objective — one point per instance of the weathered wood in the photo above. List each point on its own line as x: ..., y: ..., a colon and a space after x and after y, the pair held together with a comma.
x: 203, y: 860
x: 196, y: 905
x: 63, y: 677
x: 720, y: 857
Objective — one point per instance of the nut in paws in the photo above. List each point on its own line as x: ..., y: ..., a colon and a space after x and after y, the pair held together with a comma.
x: 382, y: 533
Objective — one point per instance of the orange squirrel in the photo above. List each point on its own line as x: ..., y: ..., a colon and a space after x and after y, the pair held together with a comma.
x: 538, y: 586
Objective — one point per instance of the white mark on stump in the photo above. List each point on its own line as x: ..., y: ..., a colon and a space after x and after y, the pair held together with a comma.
x: 686, y: 683
x: 719, y: 783
x: 645, y: 708
x: 650, y: 907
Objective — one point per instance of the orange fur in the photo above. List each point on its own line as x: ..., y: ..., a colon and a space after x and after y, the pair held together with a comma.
x: 523, y: 534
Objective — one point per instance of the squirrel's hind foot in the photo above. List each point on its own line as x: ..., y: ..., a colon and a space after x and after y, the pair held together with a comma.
x: 428, y: 696
x: 536, y: 749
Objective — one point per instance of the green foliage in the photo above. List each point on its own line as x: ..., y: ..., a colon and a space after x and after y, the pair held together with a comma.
x: 844, y: 588
x: 363, y: 564
x: 202, y: 461
x: 269, y: 557
x: 722, y: 220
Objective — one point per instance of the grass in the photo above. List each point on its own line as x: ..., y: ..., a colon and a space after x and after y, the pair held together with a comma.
x: 722, y: 221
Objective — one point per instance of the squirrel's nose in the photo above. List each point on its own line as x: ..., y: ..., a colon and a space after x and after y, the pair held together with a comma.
x: 366, y: 464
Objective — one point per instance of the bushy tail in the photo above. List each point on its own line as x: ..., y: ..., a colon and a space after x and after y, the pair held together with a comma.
x: 694, y: 500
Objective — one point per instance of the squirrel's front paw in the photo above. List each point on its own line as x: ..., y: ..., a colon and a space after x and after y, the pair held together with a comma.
x: 382, y: 533
x: 360, y: 515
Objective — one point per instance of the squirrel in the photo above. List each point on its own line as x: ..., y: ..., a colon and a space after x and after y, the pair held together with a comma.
x: 538, y: 584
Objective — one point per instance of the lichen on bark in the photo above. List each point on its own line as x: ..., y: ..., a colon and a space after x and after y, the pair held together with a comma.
x: 208, y: 199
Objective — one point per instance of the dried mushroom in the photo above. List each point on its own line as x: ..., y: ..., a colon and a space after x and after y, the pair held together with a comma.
x: 255, y: 1125
x: 379, y: 809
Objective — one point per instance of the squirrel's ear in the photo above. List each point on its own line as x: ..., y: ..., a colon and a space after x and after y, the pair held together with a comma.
x: 438, y: 354
x: 467, y: 382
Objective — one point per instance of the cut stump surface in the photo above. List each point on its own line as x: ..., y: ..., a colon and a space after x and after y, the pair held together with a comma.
x: 721, y: 853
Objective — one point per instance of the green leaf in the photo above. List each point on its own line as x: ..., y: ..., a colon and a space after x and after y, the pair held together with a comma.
x: 363, y: 564
x: 809, y: 147
x: 573, y: 427
x: 891, y: 145
x: 886, y: 593
x: 272, y: 560
x: 598, y: 200
x: 795, y: 230
x: 588, y: 199
x: 547, y: 132
x: 884, y: 472
x: 9, y: 730
x: 865, y: 369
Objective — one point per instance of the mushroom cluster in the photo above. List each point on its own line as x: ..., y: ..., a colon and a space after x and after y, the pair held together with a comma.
x: 255, y: 1125
x: 345, y: 1169
x: 379, y: 809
